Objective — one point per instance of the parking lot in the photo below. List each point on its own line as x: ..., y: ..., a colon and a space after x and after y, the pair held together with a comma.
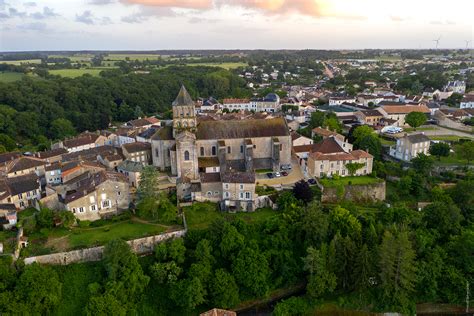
x: 294, y: 175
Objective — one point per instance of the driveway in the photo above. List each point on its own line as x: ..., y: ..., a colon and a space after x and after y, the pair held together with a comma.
x: 294, y: 176
x: 441, y: 131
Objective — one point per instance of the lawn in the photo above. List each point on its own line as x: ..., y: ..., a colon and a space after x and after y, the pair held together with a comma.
x: 361, y: 180
x: 452, y: 159
x: 419, y: 129
x: 201, y: 215
x: 450, y: 138
x: 9, y: 76
x: 73, y: 73
x: 387, y: 142
x: 62, y: 239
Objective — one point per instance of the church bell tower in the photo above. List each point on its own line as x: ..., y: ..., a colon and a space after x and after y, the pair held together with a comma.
x: 184, y: 115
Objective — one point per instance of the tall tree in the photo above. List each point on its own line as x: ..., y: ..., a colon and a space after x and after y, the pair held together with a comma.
x: 397, y: 270
x: 321, y: 280
x: 440, y: 150
x: 223, y: 289
x: 415, y: 119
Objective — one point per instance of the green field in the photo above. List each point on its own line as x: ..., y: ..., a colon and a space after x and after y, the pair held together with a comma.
x: 10, y: 76
x: 451, y: 138
x: 139, y: 57
x: 19, y: 62
x: 201, y: 215
x: 222, y: 65
x: 73, y: 73
x: 361, y: 180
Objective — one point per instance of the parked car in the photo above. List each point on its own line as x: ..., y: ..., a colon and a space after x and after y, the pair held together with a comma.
x: 286, y: 167
x: 312, y: 181
x: 270, y: 175
x: 284, y: 173
x: 277, y: 174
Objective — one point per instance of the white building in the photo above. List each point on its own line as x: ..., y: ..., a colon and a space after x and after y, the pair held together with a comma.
x: 467, y: 102
x: 410, y: 146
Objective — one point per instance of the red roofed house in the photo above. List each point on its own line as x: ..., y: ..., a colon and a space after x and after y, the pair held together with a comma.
x: 329, y: 158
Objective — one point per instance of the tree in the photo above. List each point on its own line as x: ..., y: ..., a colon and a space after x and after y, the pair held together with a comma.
x: 62, y: 128
x: 232, y: 241
x: 342, y: 221
x: 317, y: 119
x: 165, y: 273
x: 440, y: 150
x: 446, y: 218
x: 106, y: 304
x: 397, y: 270
x: 38, y: 289
x: 422, y: 163
x: 415, y: 119
x: 365, y: 139
x: 302, y: 191
x: 363, y: 269
x: 45, y: 218
x: 320, y: 280
x: 352, y: 167
x: 188, y: 293
x: 251, y: 271
x: 223, y: 289
x: 125, y: 276
x: 465, y: 151
x: 148, y: 183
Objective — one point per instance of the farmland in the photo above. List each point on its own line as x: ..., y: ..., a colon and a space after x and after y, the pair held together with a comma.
x: 73, y: 73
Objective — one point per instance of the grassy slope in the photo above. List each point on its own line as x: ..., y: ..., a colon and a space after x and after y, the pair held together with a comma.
x: 10, y: 76
x: 345, y: 181
x: 73, y: 73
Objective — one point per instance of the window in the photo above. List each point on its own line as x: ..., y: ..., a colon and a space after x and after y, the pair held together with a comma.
x: 157, y: 152
x: 186, y: 155
x: 247, y: 195
x: 228, y: 149
x: 281, y: 147
x: 241, y: 149
x: 226, y: 195
x: 20, y: 196
x: 209, y: 193
x: 119, y: 193
x: 226, y: 186
x: 214, y: 150
x: 343, y: 172
x: 106, y: 204
x: 241, y: 195
x: 74, y: 210
x: 202, y: 151
x: 321, y: 167
x: 94, y: 207
x: 81, y: 210
x: 241, y: 186
x: 92, y: 199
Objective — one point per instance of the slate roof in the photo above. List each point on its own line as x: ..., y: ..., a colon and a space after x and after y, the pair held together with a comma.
x: 81, y: 140
x: 21, y: 184
x: 5, y: 157
x: 418, y: 138
x: 130, y: 166
x: 51, y: 153
x: 205, y: 162
x: 210, y: 177
x: 164, y: 133
x: 237, y: 177
x: 24, y: 163
x: 372, y: 113
x: 327, y: 146
x: 242, y: 129
x: 183, y: 98
x: 136, y: 147
x: 140, y: 122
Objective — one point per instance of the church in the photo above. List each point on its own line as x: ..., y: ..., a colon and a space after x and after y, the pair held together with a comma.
x: 216, y: 159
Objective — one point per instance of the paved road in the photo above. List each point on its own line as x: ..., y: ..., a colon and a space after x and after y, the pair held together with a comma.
x: 441, y: 131
x: 294, y: 176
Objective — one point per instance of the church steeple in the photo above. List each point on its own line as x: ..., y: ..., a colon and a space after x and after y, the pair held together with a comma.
x: 184, y: 117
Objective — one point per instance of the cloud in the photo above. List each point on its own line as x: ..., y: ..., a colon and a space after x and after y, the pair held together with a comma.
x: 397, y: 18
x: 47, y: 13
x: 35, y: 26
x: 14, y: 13
x: 102, y: 2
x: 446, y: 22
x: 188, y: 4
x: 145, y: 14
x: 86, y: 17
x: 30, y: 4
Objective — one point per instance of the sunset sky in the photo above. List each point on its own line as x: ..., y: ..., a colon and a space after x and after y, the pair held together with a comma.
x: 229, y: 24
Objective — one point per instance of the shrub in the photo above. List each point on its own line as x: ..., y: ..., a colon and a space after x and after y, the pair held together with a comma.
x: 83, y: 224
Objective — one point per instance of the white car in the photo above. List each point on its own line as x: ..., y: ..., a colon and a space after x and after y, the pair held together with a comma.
x: 277, y: 174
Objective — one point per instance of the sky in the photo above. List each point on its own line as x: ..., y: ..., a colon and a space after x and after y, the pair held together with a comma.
x: 234, y: 24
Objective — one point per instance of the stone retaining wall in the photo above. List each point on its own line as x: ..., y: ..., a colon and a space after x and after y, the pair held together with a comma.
x: 139, y: 246
x: 356, y: 193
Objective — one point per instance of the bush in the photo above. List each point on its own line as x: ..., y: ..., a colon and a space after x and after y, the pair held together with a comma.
x: 83, y: 224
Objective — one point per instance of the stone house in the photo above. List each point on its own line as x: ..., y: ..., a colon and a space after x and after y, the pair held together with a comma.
x: 24, y: 166
x: 399, y: 112
x: 369, y: 117
x: 132, y: 170
x: 82, y: 142
x: 22, y: 191
x: 96, y: 196
x: 138, y: 152
x: 409, y: 146
x: 328, y: 158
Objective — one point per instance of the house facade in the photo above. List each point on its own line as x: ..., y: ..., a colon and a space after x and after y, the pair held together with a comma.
x: 410, y: 146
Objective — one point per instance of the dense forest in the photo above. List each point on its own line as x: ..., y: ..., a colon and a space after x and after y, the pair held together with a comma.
x: 35, y: 110
x: 375, y: 257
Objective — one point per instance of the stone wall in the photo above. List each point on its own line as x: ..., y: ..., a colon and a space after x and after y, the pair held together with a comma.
x: 356, y: 193
x: 139, y: 246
